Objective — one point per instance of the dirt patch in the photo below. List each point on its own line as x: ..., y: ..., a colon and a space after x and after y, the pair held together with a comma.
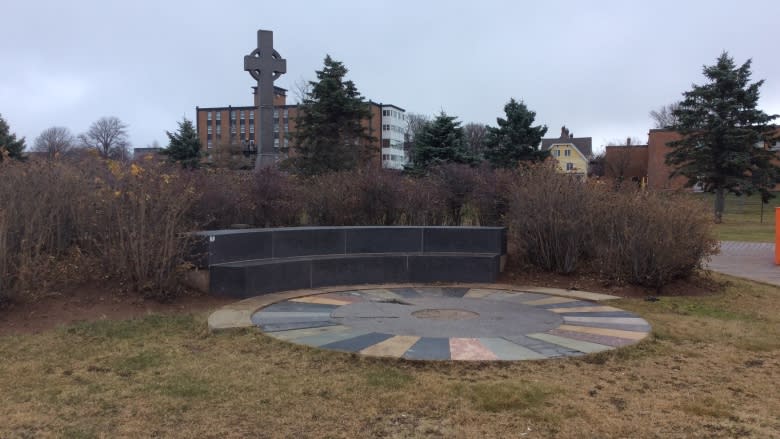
x: 92, y: 302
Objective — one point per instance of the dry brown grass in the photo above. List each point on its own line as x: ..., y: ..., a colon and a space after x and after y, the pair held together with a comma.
x: 710, y: 369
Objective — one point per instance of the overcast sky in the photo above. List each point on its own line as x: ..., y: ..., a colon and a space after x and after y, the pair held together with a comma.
x: 598, y: 67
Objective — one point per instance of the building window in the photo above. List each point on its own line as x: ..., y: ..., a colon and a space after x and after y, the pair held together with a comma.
x: 233, y: 115
x: 251, y: 114
x: 208, y: 116
x: 276, y: 127
x: 243, y: 129
x: 219, y: 116
x: 286, y: 143
x: 286, y: 128
x: 286, y: 114
x: 567, y: 153
x: 557, y: 153
x: 241, y: 115
x: 209, y: 129
x: 276, y: 114
x: 276, y: 143
x: 210, y: 144
x: 276, y: 135
x: 569, y: 166
x: 233, y: 129
x: 252, y: 129
x: 219, y: 129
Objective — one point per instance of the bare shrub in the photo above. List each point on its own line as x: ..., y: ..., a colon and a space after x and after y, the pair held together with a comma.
x: 651, y: 239
x: 275, y: 199
x: 41, y: 208
x: 139, y: 223
x: 224, y: 198
x: 549, y: 220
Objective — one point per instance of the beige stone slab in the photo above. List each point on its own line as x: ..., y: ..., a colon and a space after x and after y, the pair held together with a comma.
x: 392, y: 347
x: 576, y: 294
x: 478, y: 293
x: 321, y: 300
x: 613, y: 320
x: 631, y: 335
x: 550, y: 301
x: 228, y: 318
x: 577, y: 345
x: 381, y: 293
x: 585, y: 309
x: 307, y: 332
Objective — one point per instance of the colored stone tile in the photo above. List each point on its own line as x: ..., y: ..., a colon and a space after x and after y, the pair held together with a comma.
x: 577, y: 294
x: 358, y: 343
x: 285, y: 326
x: 470, y: 349
x: 550, y: 301
x: 380, y: 294
x: 613, y: 320
x: 321, y: 300
x: 454, y: 291
x: 549, y: 350
x: 478, y: 293
x: 329, y: 337
x: 565, y: 313
x: 429, y: 348
x: 351, y: 297
x: 569, y: 304
x: 288, y: 306
x: 408, y: 293
x: 577, y: 345
x: 593, y: 338
x: 638, y: 328
x: 506, y: 350
x: 308, y: 332
x: 392, y: 347
x: 511, y: 296
x: 631, y: 335
x: 262, y: 315
x: 586, y: 309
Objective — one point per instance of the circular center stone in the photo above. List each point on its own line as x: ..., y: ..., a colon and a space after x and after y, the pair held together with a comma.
x: 445, y: 314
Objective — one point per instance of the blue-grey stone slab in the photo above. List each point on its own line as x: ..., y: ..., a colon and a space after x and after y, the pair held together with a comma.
x: 358, y: 343
x: 274, y: 327
x: 239, y: 246
x: 454, y: 291
x: 441, y: 267
x: 429, y: 348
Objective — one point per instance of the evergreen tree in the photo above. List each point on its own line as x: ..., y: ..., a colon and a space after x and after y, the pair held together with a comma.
x: 722, y: 148
x: 330, y: 135
x: 437, y: 142
x: 184, y: 146
x: 515, y: 139
x: 9, y: 145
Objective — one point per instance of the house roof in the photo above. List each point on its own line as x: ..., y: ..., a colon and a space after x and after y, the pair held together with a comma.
x: 584, y: 144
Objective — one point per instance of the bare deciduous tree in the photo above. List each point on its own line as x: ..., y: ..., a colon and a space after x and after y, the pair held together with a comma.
x: 301, y: 89
x: 55, y: 142
x: 415, y: 123
x: 474, y: 135
x: 108, y: 136
x: 664, y: 116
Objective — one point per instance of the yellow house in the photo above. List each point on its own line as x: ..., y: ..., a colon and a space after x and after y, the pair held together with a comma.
x: 571, y: 153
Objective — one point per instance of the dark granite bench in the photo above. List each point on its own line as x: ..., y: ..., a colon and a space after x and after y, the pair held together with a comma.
x: 249, y: 262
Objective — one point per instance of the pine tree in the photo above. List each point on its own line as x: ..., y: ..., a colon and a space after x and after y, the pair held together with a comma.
x: 439, y: 141
x: 184, y: 146
x: 330, y: 135
x: 9, y: 145
x: 515, y: 139
x: 724, y: 134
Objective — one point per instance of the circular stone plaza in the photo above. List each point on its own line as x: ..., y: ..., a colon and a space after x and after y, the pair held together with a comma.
x: 424, y: 322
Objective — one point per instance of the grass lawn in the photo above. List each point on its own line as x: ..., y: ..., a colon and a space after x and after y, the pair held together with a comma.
x: 710, y: 369
x: 742, y: 218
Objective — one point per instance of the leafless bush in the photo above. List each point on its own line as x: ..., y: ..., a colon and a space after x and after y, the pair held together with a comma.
x: 549, y: 218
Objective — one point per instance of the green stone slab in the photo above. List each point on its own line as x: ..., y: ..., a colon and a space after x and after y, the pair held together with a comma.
x: 506, y: 350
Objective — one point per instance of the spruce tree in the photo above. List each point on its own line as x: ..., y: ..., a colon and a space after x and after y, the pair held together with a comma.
x: 330, y: 135
x: 184, y: 146
x: 9, y: 145
x: 514, y: 139
x: 439, y: 141
x: 724, y: 134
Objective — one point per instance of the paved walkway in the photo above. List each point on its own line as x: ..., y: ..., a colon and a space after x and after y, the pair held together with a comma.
x: 750, y: 260
x: 422, y: 322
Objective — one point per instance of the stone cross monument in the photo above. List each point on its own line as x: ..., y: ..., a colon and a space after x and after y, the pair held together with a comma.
x: 265, y: 65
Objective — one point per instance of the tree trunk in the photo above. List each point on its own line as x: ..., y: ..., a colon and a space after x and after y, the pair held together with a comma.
x: 720, y: 204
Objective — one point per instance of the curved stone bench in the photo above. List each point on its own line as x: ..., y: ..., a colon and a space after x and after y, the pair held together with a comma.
x: 245, y: 263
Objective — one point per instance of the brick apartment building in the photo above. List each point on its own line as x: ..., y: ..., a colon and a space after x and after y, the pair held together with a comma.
x: 220, y: 127
x: 626, y: 162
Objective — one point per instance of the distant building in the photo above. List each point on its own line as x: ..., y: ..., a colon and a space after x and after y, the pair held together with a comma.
x: 626, y: 163
x: 571, y: 153
x: 235, y: 127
